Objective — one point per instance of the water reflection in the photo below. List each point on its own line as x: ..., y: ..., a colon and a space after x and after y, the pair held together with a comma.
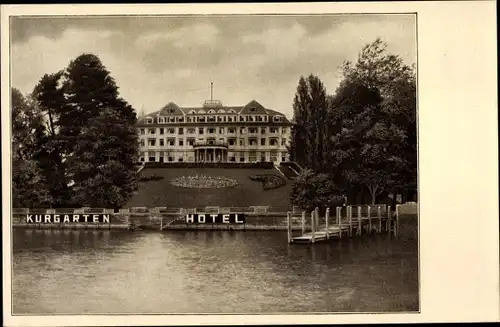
x: 209, y: 272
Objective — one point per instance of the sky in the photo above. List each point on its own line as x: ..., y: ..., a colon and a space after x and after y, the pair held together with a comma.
x: 155, y: 60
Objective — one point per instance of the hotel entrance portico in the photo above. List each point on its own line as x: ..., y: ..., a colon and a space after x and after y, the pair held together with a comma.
x: 210, y: 152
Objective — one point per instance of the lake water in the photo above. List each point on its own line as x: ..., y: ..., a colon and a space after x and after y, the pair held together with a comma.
x: 75, y: 272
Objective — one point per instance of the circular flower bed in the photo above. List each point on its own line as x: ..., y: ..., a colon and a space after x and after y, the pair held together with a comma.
x: 269, y: 181
x: 203, y: 181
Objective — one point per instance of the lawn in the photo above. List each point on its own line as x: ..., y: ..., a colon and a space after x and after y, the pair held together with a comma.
x: 162, y: 193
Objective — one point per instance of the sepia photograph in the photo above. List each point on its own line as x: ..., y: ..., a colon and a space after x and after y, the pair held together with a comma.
x: 216, y: 164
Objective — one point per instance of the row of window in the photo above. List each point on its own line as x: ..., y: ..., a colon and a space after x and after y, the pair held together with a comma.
x: 231, y: 141
x: 213, y: 130
x: 213, y: 119
x: 252, y: 157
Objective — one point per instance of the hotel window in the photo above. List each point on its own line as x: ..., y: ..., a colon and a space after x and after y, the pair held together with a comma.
x: 232, y: 159
x: 161, y: 131
x: 283, y: 130
x: 180, y: 159
x: 274, y: 130
x: 263, y: 156
x: 231, y: 130
x: 170, y: 159
x: 242, y: 118
x: 250, y: 118
x: 242, y: 158
x: 200, y: 130
x: 211, y: 119
x: 201, y: 119
x: 283, y: 141
x: 231, y: 141
x: 148, y: 120
x: 252, y: 142
x: 273, y: 142
x: 262, y: 141
x: 265, y: 118
x: 142, y: 143
x: 152, y: 157
x: 191, y: 130
x: 142, y: 159
x: 221, y: 130
x: 230, y: 119
x: 242, y: 142
x: 181, y: 142
x: 190, y: 142
x: 160, y: 119
x: 181, y: 131
x: 211, y: 131
x: 162, y: 142
x: 151, y: 131
x: 263, y: 130
x: 171, y: 131
x: 151, y: 142
x: 171, y: 120
x: 180, y: 119
x: 252, y: 130
x: 189, y: 120
x: 219, y: 118
x: 283, y: 156
x: 143, y: 131
x: 171, y: 142
x: 242, y: 130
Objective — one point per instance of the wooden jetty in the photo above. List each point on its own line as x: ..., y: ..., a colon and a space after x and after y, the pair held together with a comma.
x: 363, y: 219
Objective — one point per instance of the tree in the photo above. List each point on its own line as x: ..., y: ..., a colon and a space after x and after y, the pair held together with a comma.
x: 91, y: 137
x: 312, y: 190
x: 29, y: 187
x: 310, y: 132
x: 375, y: 108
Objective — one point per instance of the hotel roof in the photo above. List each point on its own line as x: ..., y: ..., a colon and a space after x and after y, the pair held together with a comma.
x: 212, y: 108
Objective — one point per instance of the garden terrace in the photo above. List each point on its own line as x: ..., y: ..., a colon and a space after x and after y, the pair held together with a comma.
x: 245, y: 192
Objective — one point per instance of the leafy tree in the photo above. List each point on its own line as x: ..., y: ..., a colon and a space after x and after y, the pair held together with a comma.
x: 312, y: 190
x: 29, y: 187
x: 91, y: 139
x: 374, y: 138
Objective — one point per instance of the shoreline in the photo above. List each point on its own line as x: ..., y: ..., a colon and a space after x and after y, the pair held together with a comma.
x: 406, y: 219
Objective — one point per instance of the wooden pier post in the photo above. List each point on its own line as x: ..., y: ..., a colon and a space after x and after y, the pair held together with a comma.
x: 379, y: 216
x: 396, y: 229
x: 289, y: 226
x: 359, y: 231
x: 339, y: 221
x: 370, y: 219
x: 349, y: 217
x: 389, y: 220
x: 316, y: 214
x: 327, y: 216
x: 313, y: 227
x: 303, y: 222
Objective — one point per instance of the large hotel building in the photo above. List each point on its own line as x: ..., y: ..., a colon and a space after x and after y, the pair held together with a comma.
x: 214, y: 133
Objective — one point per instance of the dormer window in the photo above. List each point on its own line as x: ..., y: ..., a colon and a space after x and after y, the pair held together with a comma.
x: 191, y: 112
x: 252, y: 109
x: 148, y: 120
x: 211, y: 111
x: 202, y: 111
x: 161, y: 120
x: 231, y: 111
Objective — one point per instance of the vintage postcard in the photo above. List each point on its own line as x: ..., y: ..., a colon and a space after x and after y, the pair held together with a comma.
x: 200, y: 164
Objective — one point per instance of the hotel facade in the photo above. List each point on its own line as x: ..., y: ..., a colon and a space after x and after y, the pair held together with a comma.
x: 214, y: 133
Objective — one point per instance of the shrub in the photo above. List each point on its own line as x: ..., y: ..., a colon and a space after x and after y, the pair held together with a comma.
x: 203, y: 181
x: 312, y: 190
x: 269, y: 181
